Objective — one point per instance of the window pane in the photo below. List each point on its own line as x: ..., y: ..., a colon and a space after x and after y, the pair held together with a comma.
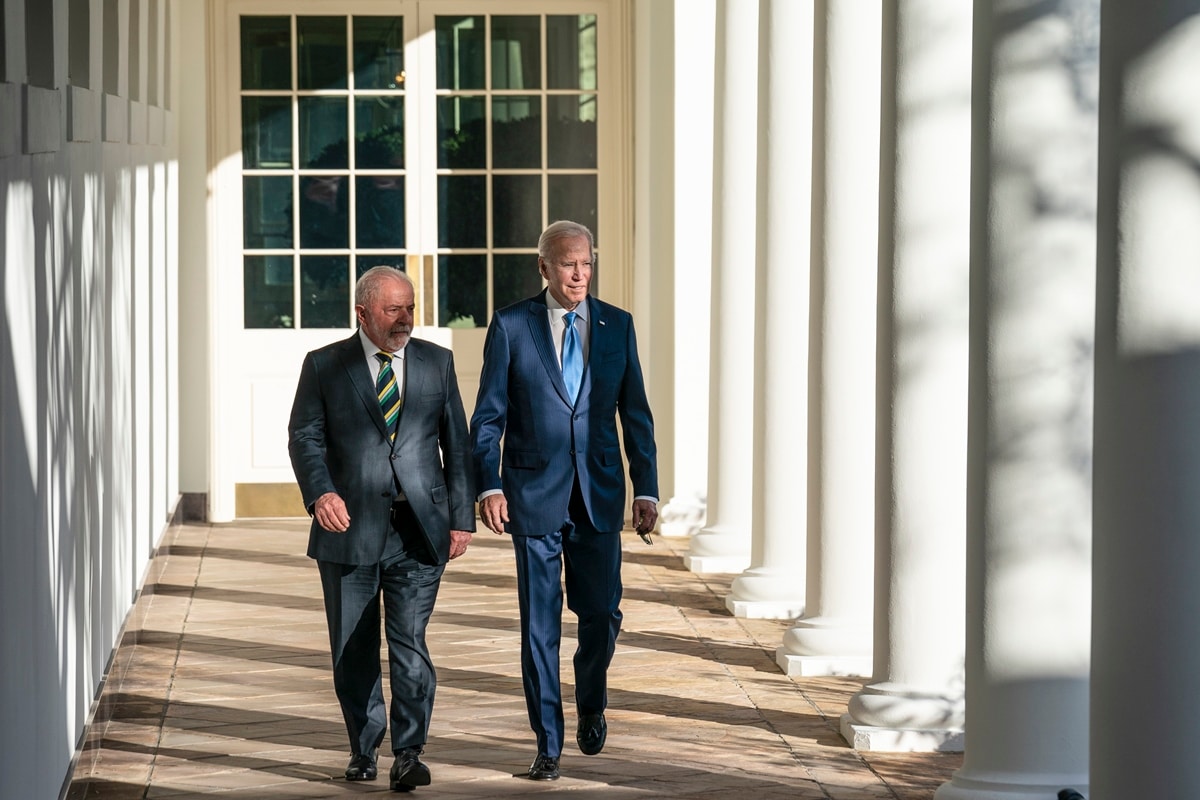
x: 266, y: 133
x: 325, y: 292
x: 267, y: 288
x: 462, y: 211
x: 517, y: 132
x: 379, y: 52
x: 462, y: 291
x: 460, y: 48
x: 266, y: 212
x: 79, y: 49
x: 323, y: 126
x: 323, y: 212
x: 266, y: 52
x: 462, y: 143
x: 379, y: 132
x: 516, y: 210
x: 516, y: 52
x: 514, y: 277
x: 364, y: 263
x: 321, y: 52
x: 571, y: 134
x: 379, y: 219
x: 571, y: 52
x: 574, y: 197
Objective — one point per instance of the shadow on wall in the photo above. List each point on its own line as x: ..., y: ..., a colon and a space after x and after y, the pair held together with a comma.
x: 68, y: 479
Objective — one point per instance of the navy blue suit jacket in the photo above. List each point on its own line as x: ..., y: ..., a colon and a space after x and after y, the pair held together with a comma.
x: 338, y: 442
x: 546, y: 439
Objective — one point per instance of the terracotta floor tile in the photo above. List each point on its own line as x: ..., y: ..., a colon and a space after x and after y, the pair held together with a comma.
x: 222, y: 687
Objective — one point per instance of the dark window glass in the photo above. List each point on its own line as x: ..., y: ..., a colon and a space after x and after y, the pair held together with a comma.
x: 152, y: 94
x: 321, y: 52
x: 516, y: 52
x: 166, y: 85
x: 266, y: 212
x: 112, y: 53
x: 266, y: 133
x: 379, y: 53
x: 135, y: 50
x: 39, y: 43
x: 324, y: 122
x: 517, y: 132
x: 571, y: 51
x: 460, y: 49
x: 462, y: 291
x: 462, y: 140
x: 268, y: 297
x: 571, y: 132
x: 514, y: 277
x: 324, y: 220
x: 379, y: 214
x: 266, y: 53
x: 79, y: 46
x: 516, y: 210
x: 462, y: 211
x: 379, y: 132
x: 574, y: 197
x: 324, y: 292
x: 364, y: 263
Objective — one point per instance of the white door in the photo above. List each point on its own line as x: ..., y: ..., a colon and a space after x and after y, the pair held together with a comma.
x: 438, y: 136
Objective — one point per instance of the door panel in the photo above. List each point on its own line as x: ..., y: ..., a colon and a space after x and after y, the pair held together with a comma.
x: 438, y: 136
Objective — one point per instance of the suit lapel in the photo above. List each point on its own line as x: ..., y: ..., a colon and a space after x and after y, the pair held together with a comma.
x: 360, y: 378
x: 539, y: 331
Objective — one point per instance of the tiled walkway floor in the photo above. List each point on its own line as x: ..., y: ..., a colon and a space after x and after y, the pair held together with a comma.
x: 221, y: 687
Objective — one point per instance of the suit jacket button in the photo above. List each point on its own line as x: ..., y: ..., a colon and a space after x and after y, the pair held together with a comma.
x: 572, y: 452
x: 394, y: 456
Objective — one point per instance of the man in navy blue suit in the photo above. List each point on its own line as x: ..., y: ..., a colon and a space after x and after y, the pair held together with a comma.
x: 559, y: 369
x: 378, y: 441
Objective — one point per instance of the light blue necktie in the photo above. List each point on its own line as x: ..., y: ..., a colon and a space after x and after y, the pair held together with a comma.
x: 572, y: 357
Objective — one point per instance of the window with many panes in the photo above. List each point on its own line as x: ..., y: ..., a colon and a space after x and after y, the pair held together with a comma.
x: 327, y: 108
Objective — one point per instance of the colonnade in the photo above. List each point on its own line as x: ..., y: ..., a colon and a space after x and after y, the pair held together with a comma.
x: 942, y: 234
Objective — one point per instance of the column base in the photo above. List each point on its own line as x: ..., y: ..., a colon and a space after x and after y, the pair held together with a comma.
x: 795, y: 666
x: 963, y: 788
x: 682, y: 517
x: 718, y: 548
x: 764, y: 609
x: 709, y: 564
x: 901, y: 740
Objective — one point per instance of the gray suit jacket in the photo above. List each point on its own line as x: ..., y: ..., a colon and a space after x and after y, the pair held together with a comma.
x: 338, y: 443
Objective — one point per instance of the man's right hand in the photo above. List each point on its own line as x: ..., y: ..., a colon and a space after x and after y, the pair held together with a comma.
x: 493, y: 511
x: 330, y: 512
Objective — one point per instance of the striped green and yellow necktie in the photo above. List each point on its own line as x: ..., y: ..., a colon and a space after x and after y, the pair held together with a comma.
x: 389, y: 393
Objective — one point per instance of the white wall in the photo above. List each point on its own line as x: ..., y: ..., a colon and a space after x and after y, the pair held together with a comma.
x: 87, y: 395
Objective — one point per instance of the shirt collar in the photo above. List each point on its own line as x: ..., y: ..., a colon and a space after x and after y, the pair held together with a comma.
x: 370, y: 348
x: 557, y: 312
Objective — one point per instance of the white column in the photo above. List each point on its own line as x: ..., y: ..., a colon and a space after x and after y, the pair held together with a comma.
x: 914, y: 701
x: 1145, y: 652
x: 1030, y: 421
x: 695, y: 38
x: 773, y: 588
x: 723, y: 545
x: 834, y: 636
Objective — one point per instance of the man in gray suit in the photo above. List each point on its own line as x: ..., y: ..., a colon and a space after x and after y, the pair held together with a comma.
x: 378, y: 442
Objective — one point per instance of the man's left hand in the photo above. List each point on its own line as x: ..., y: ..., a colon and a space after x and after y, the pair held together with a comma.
x: 458, y: 542
x: 645, y: 515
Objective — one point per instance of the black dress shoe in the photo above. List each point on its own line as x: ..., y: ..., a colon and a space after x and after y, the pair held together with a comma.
x: 592, y: 732
x: 362, y: 767
x: 408, y: 771
x: 543, y: 768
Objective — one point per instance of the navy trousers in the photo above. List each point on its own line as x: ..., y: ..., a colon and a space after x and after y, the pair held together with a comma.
x: 591, y: 563
x: 406, y: 579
